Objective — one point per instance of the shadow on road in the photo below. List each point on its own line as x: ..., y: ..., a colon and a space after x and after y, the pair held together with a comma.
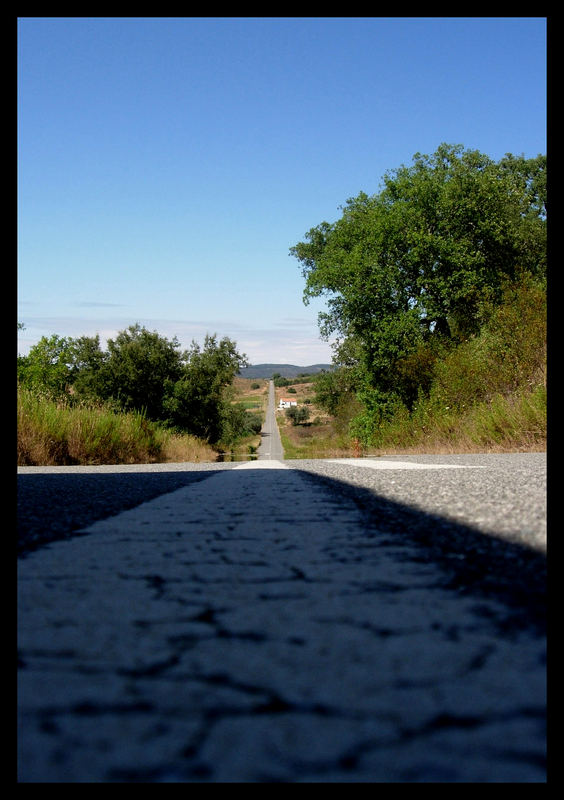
x: 474, y: 562
x: 53, y: 507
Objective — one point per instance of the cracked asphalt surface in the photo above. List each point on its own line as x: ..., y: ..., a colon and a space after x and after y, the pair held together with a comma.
x: 289, y: 622
x: 354, y: 620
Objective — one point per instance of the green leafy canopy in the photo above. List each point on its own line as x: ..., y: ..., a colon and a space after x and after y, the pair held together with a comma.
x: 417, y: 261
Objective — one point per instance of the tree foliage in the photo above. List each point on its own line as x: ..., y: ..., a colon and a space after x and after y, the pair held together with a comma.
x: 145, y: 372
x: 298, y: 414
x: 50, y: 365
x: 406, y: 272
x: 139, y: 364
x: 198, y: 400
x: 87, y: 375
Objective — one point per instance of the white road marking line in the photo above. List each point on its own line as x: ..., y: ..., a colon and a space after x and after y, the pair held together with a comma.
x: 372, y: 463
x: 265, y: 464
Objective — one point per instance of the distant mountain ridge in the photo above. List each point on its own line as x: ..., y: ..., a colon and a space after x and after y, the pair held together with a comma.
x: 285, y: 370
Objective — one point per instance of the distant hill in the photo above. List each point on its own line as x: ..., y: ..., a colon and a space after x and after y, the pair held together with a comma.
x: 285, y: 370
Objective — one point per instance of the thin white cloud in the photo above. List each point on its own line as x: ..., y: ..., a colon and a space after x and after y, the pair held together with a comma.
x: 94, y: 304
x: 290, y: 342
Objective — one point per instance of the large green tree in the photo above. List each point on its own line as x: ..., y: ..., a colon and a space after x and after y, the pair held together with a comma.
x: 415, y: 262
x: 139, y: 364
x: 49, y: 365
x: 199, y: 401
x: 88, y: 360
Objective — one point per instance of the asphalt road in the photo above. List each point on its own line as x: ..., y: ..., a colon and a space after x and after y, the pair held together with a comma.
x: 270, y: 447
x: 375, y: 620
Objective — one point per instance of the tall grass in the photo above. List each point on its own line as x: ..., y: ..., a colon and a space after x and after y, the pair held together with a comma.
x: 487, y: 393
x: 56, y: 432
x: 514, y: 422
x: 316, y: 440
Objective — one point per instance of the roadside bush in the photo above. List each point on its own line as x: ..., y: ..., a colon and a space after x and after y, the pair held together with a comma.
x: 489, y: 391
x: 238, y: 423
x: 298, y: 414
x: 508, y: 354
x: 414, y: 373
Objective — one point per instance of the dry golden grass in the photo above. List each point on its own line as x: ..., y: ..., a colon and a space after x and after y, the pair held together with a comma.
x: 53, y: 433
x: 503, y: 424
x: 243, y: 388
x: 185, y: 448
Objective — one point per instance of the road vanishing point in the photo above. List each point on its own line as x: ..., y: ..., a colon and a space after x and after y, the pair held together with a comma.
x: 376, y: 620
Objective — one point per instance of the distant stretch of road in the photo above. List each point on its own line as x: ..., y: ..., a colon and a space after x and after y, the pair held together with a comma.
x: 270, y: 447
x: 340, y: 620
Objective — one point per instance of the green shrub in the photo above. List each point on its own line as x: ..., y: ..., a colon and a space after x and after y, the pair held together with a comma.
x: 508, y: 353
x: 489, y: 391
x: 298, y: 414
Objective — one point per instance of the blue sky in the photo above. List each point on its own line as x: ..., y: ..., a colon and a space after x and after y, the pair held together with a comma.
x: 166, y: 165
